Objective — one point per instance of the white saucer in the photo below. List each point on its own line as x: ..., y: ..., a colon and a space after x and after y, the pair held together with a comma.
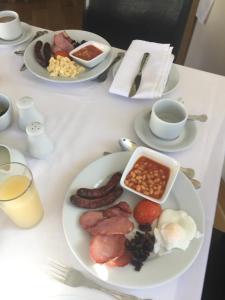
x: 27, y: 33
x: 183, y: 142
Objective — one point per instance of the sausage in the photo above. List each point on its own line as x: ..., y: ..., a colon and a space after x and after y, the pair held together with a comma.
x: 47, y: 51
x: 38, y: 55
x: 101, y: 191
x: 97, y: 202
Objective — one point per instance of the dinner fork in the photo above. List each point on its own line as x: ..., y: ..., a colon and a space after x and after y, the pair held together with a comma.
x: 74, y: 278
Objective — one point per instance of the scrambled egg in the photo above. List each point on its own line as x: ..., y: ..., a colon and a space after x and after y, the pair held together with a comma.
x: 64, y: 67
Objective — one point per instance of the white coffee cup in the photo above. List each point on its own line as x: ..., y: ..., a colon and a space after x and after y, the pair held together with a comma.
x: 168, y: 118
x: 10, y: 26
x: 5, y: 112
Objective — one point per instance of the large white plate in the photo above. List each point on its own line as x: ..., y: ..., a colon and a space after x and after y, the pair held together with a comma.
x: 154, y: 272
x: 77, y: 35
x: 26, y: 34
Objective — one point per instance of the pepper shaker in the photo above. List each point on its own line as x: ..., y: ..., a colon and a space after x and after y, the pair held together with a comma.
x: 39, y: 144
x: 27, y: 112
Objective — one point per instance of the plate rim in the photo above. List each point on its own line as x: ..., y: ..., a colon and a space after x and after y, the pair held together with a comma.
x: 75, y: 80
x: 162, y: 148
x: 202, y: 221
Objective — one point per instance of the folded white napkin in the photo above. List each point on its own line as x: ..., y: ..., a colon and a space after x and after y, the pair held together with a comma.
x: 154, y: 74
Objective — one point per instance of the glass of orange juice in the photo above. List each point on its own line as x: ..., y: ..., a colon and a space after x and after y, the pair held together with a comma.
x: 19, y: 198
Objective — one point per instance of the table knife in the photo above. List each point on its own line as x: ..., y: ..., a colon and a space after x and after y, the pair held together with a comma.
x: 137, y: 79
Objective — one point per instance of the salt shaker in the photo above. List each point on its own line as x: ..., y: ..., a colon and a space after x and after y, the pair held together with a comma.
x: 39, y: 144
x: 27, y: 112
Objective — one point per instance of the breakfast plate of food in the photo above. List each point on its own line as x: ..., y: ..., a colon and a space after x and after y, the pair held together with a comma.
x: 53, y: 56
x: 121, y: 237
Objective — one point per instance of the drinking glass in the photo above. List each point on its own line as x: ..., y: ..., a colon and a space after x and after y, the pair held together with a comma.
x: 19, y: 198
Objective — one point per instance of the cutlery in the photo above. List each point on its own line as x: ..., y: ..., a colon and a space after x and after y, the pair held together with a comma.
x: 189, y: 172
x: 128, y: 145
x: 102, y: 77
x: 201, y: 118
x: 74, y: 278
x: 37, y: 35
x: 137, y: 80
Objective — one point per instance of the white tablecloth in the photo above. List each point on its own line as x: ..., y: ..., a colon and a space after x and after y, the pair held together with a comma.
x: 83, y: 120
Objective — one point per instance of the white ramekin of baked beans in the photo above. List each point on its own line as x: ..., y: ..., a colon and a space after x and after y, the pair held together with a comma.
x: 150, y: 174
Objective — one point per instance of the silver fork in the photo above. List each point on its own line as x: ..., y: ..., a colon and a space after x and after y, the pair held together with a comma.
x: 74, y: 278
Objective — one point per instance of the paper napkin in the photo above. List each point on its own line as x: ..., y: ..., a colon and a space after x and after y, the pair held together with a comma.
x: 154, y: 74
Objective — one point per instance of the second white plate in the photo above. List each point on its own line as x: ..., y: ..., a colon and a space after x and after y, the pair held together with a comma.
x: 155, y: 271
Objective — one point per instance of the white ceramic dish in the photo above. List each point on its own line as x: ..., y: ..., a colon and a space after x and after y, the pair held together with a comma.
x: 8, y: 155
x: 172, y: 82
x: 155, y: 271
x: 158, y: 157
x: 78, y: 35
x: 183, y: 142
x: 11, y: 29
x: 96, y: 60
x: 26, y: 35
x: 7, y: 115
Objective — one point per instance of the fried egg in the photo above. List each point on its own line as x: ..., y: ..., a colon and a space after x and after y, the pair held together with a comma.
x: 174, y: 229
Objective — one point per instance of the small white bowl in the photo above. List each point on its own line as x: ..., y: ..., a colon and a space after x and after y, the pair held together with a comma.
x: 94, y: 61
x: 158, y: 157
x: 6, y: 116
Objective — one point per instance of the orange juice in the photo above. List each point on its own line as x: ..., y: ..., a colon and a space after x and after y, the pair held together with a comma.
x: 20, y: 200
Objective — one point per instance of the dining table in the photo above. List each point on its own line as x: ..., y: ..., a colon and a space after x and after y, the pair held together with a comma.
x: 83, y: 120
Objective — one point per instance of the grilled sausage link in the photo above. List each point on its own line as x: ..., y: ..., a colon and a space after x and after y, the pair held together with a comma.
x: 97, y: 202
x: 47, y: 51
x: 38, y: 55
x: 101, y: 191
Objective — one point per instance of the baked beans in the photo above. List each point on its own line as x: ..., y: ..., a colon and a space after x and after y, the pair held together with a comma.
x: 88, y: 53
x: 148, y: 177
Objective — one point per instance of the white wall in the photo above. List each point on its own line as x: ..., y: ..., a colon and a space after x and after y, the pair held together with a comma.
x: 207, y: 48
